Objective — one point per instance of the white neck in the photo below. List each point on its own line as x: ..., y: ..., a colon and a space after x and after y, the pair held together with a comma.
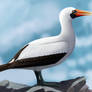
x: 67, y: 32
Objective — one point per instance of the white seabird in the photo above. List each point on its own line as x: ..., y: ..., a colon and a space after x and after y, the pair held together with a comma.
x: 50, y: 51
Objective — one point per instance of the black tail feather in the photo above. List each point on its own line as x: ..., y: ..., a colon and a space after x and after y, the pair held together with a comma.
x: 4, y: 67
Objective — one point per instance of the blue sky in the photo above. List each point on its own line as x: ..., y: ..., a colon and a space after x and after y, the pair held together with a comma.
x: 22, y: 21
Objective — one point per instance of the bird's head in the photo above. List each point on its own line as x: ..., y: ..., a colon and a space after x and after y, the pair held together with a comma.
x: 72, y: 13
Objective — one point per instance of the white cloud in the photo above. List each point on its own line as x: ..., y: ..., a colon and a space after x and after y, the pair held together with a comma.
x: 87, y: 22
x: 81, y: 61
x: 85, y: 59
x: 88, y: 74
x: 84, y: 41
x: 24, y: 31
x: 71, y: 63
x: 89, y: 57
x: 56, y: 73
x: 1, y: 61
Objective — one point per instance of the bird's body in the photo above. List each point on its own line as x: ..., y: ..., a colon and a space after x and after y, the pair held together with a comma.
x: 46, y: 47
x: 50, y: 51
x: 56, y: 46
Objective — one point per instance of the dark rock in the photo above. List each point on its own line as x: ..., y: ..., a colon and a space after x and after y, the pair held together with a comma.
x: 73, y: 85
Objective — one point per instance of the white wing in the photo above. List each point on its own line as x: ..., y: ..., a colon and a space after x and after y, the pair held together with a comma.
x: 43, y: 50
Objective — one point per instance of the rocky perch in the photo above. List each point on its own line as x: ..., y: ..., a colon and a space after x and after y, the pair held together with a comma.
x: 73, y: 85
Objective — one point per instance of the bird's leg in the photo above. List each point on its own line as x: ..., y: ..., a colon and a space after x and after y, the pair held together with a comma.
x: 39, y: 77
x: 40, y: 80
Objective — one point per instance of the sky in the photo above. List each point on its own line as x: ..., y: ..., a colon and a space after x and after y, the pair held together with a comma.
x: 22, y: 21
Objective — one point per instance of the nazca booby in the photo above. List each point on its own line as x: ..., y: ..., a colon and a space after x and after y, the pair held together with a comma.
x: 50, y: 51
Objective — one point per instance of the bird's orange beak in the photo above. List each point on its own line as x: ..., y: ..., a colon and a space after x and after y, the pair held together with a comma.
x: 82, y: 13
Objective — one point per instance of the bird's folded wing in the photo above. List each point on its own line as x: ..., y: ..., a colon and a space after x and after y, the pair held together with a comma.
x: 43, y: 50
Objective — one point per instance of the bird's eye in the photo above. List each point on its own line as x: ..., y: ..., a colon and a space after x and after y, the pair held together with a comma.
x: 74, y: 11
x: 73, y: 14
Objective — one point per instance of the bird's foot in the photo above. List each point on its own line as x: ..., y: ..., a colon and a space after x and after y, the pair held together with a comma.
x: 50, y: 84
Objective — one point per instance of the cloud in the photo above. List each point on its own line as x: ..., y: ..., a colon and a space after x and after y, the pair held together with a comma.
x: 54, y: 74
x: 84, y: 41
x: 89, y: 78
x: 82, y: 61
x: 87, y: 23
x: 72, y: 64
x: 1, y: 61
x: 85, y: 59
x: 88, y: 20
x: 41, y: 21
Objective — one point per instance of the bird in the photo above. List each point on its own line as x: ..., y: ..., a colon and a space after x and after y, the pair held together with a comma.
x: 49, y: 51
